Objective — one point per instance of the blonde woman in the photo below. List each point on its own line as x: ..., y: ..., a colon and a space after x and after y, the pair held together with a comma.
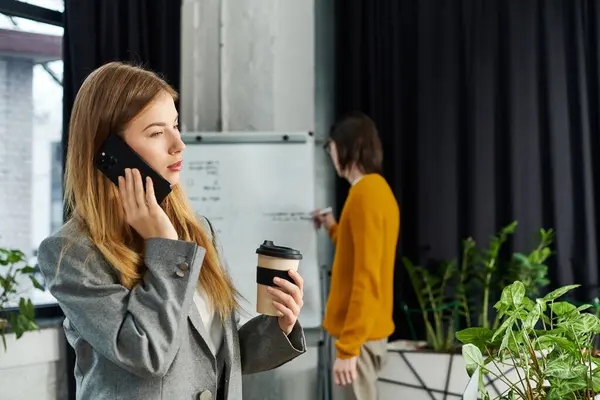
x: 150, y: 309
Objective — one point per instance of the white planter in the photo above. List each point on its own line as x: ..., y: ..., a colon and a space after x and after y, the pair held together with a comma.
x: 416, y: 374
x: 494, y: 385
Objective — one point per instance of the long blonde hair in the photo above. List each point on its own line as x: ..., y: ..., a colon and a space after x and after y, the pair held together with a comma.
x: 108, y: 100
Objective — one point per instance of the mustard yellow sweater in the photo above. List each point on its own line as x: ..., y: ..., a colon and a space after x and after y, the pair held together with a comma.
x: 360, y: 303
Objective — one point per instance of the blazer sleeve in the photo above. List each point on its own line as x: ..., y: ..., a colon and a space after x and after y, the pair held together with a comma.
x: 137, y: 329
x: 263, y: 345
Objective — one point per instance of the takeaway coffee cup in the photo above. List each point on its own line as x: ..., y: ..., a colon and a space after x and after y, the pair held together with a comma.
x: 273, y: 261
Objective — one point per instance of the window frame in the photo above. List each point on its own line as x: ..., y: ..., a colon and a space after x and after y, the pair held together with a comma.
x: 16, y: 8
x: 45, y: 314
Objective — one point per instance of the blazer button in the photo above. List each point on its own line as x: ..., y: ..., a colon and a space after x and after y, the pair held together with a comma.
x: 206, y: 395
x: 184, y: 266
x: 179, y: 273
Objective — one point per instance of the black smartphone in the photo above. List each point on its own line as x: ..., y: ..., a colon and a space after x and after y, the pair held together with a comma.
x: 115, y: 155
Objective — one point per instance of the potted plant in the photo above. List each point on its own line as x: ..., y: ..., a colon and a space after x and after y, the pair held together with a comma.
x: 543, y: 348
x: 13, y: 269
x: 459, y: 292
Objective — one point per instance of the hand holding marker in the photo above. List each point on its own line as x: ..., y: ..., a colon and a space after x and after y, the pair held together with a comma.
x: 324, y: 217
x: 325, y: 211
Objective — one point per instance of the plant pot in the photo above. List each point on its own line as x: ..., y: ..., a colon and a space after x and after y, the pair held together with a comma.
x: 416, y: 373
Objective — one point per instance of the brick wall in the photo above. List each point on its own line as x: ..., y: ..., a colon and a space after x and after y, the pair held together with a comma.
x: 16, y: 132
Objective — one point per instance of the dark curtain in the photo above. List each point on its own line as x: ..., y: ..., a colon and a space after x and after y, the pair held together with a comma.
x: 144, y: 32
x: 489, y: 113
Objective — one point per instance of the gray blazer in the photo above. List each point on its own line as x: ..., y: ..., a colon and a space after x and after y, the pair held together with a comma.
x: 148, y: 343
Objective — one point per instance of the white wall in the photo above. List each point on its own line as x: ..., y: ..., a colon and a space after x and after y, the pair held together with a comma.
x: 16, y: 134
x: 33, y: 367
x: 248, y: 65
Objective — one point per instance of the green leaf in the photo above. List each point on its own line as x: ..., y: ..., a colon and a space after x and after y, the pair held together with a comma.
x: 585, y: 323
x: 568, y: 388
x: 14, y: 324
x: 555, y: 294
x: 520, y: 258
x: 15, y: 256
x: 513, y: 294
x: 532, y: 318
x: 546, y: 319
x: 546, y: 341
x: 431, y: 336
x: 505, y: 297
x: 554, y: 394
x: 473, y: 358
x: 36, y: 284
x: 26, y: 308
x: 542, y: 304
x: 584, y: 307
x: 564, y: 370
x: 30, y: 310
x: 505, y: 340
x: 480, y: 337
x: 28, y: 270
x: 507, y: 324
x: 517, y: 293
x: 528, y: 304
x: 561, y: 308
x: 501, y: 307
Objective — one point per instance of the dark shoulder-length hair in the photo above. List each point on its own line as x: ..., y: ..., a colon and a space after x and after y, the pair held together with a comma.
x: 357, y: 142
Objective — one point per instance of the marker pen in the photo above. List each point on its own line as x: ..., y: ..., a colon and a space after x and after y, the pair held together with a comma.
x: 325, y: 211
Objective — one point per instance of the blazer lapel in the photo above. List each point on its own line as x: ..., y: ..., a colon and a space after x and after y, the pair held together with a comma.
x: 196, y: 320
x: 226, y: 353
x: 228, y: 327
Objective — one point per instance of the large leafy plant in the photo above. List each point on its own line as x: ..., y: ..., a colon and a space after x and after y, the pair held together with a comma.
x: 489, y: 273
x: 13, y: 267
x: 463, y: 289
x: 439, y: 316
x: 548, y: 342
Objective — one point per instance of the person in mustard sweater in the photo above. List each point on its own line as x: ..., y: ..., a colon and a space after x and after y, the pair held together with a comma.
x: 358, y: 314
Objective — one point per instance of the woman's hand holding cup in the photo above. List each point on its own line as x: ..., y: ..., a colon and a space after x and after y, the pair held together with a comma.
x: 142, y: 211
x: 288, y: 300
x: 279, y: 285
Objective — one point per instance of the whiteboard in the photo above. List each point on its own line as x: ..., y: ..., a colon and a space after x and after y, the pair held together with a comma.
x: 255, y: 187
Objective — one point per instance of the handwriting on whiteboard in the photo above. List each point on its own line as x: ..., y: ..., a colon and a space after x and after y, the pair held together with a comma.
x: 205, y: 180
x: 286, y: 216
x: 210, y: 166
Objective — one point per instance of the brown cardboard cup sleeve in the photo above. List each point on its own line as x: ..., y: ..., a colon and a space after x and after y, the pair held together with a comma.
x: 273, y: 261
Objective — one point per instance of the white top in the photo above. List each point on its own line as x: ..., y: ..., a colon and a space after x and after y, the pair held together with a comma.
x: 357, y: 180
x: 212, y: 321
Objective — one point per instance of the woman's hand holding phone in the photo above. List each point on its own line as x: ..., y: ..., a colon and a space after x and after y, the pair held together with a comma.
x: 142, y: 211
